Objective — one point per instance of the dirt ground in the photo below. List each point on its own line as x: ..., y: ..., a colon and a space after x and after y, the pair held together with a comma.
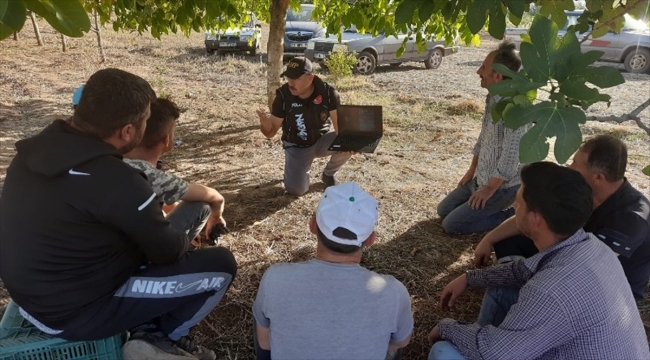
x: 432, y: 119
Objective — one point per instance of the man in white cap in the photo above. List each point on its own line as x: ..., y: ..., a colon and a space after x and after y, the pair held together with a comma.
x: 331, y: 307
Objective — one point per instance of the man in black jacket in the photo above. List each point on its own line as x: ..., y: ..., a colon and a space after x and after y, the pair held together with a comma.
x: 84, y: 249
x: 305, y: 108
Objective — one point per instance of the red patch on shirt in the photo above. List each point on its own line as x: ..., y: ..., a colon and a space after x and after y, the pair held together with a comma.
x: 318, y: 99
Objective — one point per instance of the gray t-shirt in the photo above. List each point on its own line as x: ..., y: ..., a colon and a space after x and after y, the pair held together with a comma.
x: 321, y: 310
x: 169, y: 188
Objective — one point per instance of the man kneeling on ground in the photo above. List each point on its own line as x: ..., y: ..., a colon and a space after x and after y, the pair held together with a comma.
x: 569, y: 301
x: 331, y: 307
x: 85, y: 251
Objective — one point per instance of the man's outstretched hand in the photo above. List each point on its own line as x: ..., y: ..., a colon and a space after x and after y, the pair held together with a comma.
x: 261, y: 113
x: 452, y: 291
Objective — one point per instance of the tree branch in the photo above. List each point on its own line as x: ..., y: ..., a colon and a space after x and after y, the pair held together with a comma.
x: 634, y: 115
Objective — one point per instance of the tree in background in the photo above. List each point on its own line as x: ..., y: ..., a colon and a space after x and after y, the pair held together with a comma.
x: 551, y: 65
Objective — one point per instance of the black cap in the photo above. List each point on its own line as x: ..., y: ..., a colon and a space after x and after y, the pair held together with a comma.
x: 298, y: 67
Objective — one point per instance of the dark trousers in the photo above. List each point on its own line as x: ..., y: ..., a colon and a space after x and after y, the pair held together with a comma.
x: 176, y: 296
x: 516, y: 246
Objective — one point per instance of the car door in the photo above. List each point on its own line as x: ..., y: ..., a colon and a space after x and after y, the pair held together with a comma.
x: 390, y: 44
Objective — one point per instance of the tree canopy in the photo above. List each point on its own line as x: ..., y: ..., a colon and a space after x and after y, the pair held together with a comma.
x: 551, y: 65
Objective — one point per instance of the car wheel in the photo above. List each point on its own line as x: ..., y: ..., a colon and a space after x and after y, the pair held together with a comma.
x: 210, y: 51
x: 638, y: 61
x: 434, y: 60
x: 366, y: 63
x: 396, y: 64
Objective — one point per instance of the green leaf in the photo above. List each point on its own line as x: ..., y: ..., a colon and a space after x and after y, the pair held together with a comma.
x: 426, y: 10
x: 400, y: 51
x: 12, y: 17
x: 3, y: 8
x: 550, y: 121
x: 65, y: 16
x: 405, y: 10
x: 504, y: 70
x: 497, y: 24
x: 521, y: 100
x: 514, y: 19
x: 477, y: 15
x: 538, y: 56
x: 604, y: 76
x: 555, y: 9
x: 517, y: 7
x: 498, y: 108
x: 646, y: 170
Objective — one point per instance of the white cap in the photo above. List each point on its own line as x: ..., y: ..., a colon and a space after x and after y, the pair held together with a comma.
x: 347, y: 206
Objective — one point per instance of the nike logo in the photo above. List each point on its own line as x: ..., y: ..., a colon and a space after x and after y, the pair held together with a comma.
x: 181, y: 288
x: 174, y: 287
x: 72, y: 172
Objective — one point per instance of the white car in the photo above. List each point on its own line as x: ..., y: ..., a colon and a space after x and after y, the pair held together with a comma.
x: 247, y: 38
x: 631, y: 46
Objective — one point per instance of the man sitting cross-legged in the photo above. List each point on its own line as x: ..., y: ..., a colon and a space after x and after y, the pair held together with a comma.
x: 199, y: 204
x: 621, y: 216
x: 331, y: 307
x: 569, y: 301
x: 85, y: 250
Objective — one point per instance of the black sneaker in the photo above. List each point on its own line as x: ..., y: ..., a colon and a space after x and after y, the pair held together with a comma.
x: 198, y: 351
x: 328, y: 180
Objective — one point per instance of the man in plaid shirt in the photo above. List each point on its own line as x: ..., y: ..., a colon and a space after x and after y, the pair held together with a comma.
x: 484, y: 194
x: 569, y: 301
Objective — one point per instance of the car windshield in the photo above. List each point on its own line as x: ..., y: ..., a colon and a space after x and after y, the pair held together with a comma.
x: 304, y: 14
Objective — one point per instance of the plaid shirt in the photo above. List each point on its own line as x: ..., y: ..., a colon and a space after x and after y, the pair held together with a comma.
x: 574, y: 303
x: 497, y: 149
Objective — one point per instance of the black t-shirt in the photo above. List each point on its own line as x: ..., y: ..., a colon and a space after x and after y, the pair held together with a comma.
x: 623, y: 223
x: 305, y: 120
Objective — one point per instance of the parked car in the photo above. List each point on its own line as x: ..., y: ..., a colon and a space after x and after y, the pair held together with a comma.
x: 300, y: 28
x: 378, y: 50
x: 247, y: 38
x: 631, y: 46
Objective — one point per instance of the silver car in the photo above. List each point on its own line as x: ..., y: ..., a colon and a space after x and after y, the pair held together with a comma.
x: 631, y: 46
x: 377, y: 50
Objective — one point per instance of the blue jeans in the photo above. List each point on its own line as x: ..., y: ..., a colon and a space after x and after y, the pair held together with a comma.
x: 496, y: 304
x: 460, y: 218
x: 444, y: 350
x: 495, y: 307
x: 297, y: 163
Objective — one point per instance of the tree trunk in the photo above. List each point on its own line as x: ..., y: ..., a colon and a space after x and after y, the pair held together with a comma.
x: 98, y: 31
x: 64, y: 43
x: 275, y: 47
x: 15, y: 36
x: 39, y: 39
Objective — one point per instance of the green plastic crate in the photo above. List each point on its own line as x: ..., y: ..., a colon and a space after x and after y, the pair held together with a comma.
x: 20, y: 340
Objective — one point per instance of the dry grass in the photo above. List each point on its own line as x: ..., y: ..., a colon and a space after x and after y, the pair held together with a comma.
x: 425, y: 150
